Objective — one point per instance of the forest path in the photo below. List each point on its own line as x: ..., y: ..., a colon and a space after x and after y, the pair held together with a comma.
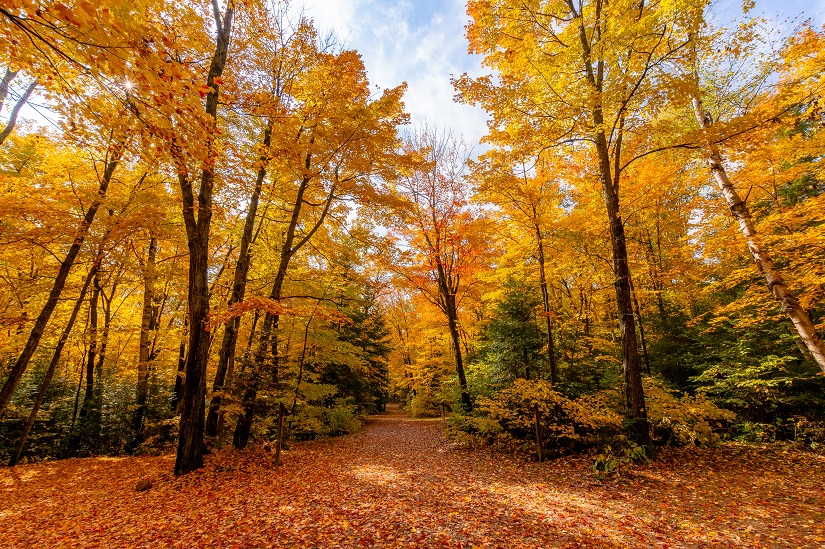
x: 401, y: 483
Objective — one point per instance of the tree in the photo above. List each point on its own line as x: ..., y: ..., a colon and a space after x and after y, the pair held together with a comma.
x: 806, y: 48
x: 582, y: 76
x: 336, y: 139
x: 442, y: 233
x: 513, y: 341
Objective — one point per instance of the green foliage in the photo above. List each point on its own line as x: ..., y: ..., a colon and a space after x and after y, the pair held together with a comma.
x: 423, y: 404
x: 610, y: 461
x: 566, y: 424
x: 364, y: 376
x: 513, y: 342
x: 743, y: 358
x: 683, y: 420
x: 313, y: 421
x: 749, y: 431
x: 597, y: 420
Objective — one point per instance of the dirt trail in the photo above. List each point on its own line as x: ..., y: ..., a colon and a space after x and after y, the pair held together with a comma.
x: 400, y: 483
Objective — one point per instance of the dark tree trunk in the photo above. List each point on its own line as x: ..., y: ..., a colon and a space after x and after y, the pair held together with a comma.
x: 22, y: 362
x: 641, y: 326
x: 146, y: 325
x: 230, y: 335
x: 104, y: 341
x: 44, y: 387
x: 178, y: 390
x: 88, y: 397
x: 634, y: 392
x: 545, y: 299
x: 193, y: 406
x: 609, y: 178
x: 452, y: 323
x: 271, y: 320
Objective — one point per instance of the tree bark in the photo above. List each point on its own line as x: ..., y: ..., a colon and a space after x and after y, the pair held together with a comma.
x: 16, y: 110
x: 44, y: 387
x: 774, y: 279
x: 452, y: 322
x: 104, y: 340
x: 146, y: 325
x: 4, y: 85
x: 177, y: 392
x: 230, y: 335
x: 88, y: 396
x: 22, y: 362
x: 638, y: 312
x: 192, y: 417
x: 609, y: 178
x: 269, y: 331
x: 634, y: 392
x: 545, y: 299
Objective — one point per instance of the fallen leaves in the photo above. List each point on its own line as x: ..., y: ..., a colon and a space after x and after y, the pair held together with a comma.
x: 395, y: 485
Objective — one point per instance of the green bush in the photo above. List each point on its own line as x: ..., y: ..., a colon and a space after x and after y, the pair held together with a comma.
x: 683, y: 420
x: 566, y: 425
x: 310, y: 421
x: 422, y: 405
x: 749, y: 431
x: 600, y: 420
x: 340, y: 420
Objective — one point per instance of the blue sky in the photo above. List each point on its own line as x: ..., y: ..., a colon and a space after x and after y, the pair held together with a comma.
x: 422, y: 42
x: 418, y: 42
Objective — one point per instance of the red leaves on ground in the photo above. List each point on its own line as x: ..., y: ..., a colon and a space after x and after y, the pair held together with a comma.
x: 399, y: 483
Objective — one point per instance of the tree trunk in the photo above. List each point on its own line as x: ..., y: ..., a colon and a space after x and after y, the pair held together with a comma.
x: 104, y: 341
x: 22, y: 362
x: 230, y: 335
x: 271, y: 320
x: 609, y: 179
x: 16, y: 109
x: 243, y: 428
x: 146, y: 325
x: 638, y: 312
x: 4, y: 86
x: 190, y: 440
x: 634, y: 392
x: 452, y: 323
x: 88, y: 397
x: 545, y: 299
x: 44, y: 387
x: 776, y: 283
x: 177, y: 392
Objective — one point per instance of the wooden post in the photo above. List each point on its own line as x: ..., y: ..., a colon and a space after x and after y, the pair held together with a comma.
x: 281, y: 413
x: 539, y: 445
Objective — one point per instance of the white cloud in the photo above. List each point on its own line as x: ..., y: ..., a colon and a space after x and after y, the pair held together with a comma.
x: 421, y: 43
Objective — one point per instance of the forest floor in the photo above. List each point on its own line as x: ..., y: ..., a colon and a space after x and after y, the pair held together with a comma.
x: 401, y: 483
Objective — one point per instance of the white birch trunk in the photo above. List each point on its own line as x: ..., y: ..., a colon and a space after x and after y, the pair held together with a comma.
x: 776, y: 283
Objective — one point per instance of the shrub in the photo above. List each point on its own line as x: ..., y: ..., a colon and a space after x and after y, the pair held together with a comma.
x: 683, y: 420
x: 311, y: 422
x: 507, y: 420
x: 340, y: 420
x: 565, y: 424
x: 810, y: 433
x: 749, y: 431
x: 422, y: 405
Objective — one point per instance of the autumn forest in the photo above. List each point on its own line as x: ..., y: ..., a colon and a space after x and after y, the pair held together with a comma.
x: 231, y: 266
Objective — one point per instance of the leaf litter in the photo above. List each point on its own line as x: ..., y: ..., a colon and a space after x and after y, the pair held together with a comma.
x: 400, y: 483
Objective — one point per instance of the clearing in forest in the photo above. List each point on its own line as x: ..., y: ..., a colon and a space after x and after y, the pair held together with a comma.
x: 401, y: 483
